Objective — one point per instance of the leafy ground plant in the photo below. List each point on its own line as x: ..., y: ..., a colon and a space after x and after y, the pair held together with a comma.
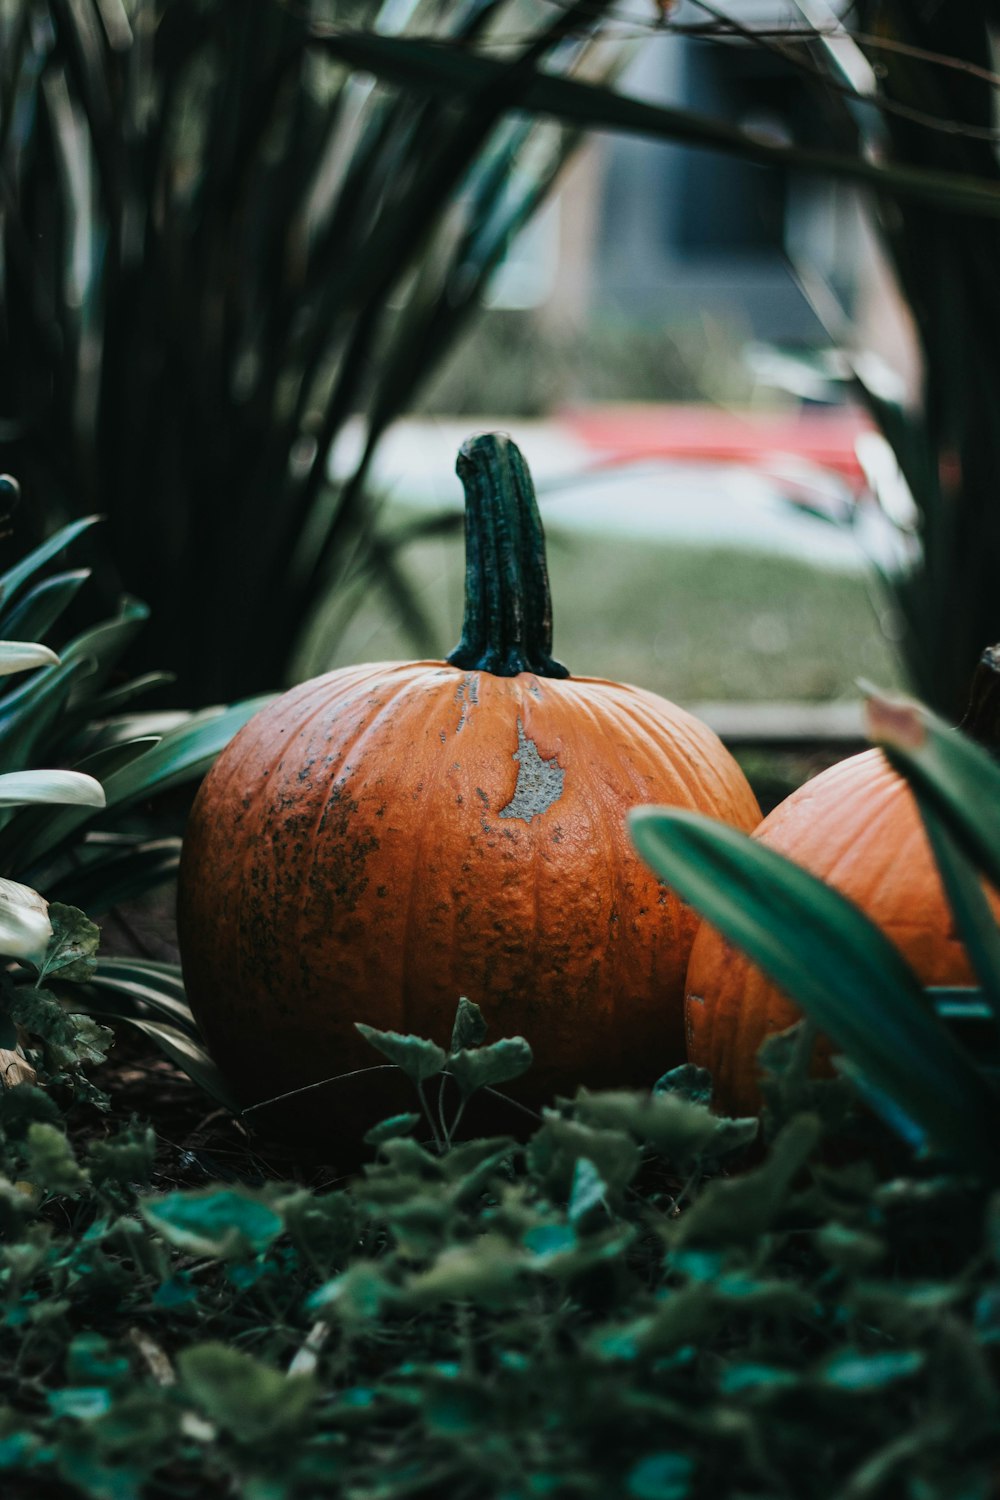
x: 600, y: 1310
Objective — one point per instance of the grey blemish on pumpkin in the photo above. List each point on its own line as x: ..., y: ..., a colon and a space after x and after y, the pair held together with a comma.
x: 539, y: 781
x: 467, y: 695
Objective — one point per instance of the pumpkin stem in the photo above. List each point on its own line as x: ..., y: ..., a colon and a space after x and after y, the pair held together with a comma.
x: 982, y: 717
x: 508, y: 608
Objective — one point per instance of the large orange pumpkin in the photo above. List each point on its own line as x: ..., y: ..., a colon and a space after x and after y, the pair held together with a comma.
x: 388, y: 837
x: 857, y: 827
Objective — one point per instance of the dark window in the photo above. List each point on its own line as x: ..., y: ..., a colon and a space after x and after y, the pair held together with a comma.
x: 725, y: 206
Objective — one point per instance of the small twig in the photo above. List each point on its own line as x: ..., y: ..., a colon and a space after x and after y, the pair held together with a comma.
x: 319, y: 1084
x: 438, y: 1142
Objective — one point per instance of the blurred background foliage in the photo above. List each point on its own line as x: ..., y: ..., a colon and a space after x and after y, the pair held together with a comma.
x: 218, y: 243
x: 227, y: 231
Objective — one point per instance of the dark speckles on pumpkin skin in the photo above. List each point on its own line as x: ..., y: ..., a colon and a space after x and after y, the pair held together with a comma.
x: 338, y: 879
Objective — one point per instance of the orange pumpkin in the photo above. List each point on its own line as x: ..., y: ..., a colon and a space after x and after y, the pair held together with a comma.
x: 388, y: 837
x: 857, y: 827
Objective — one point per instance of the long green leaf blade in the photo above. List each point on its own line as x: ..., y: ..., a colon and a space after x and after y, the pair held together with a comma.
x: 19, y: 574
x: 968, y: 902
x: 958, y: 778
x: 448, y: 71
x: 826, y: 954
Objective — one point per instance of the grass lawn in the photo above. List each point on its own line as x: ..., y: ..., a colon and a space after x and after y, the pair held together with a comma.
x: 692, y: 623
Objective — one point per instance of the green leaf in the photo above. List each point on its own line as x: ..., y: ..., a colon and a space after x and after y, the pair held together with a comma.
x: 391, y: 1128
x: 30, y: 714
x: 251, y: 1402
x: 559, y: 1144
x: 220, y: 1223
x: 418, y: 1058
x: 182, y: 1049
x: 126, y: 988
x: 183, y: 754
x: 739, y: 1209
x: 485, y: 1067
x: 446, y: 71
x: 51, y: 1163
x: 104, y: 645
x: 72, y: 949
x: 661, y: 1476
x: 825, y: 953
x: 19, y: 574
x: 84, y: 1402
x: 957, y: 777
x: 39, y: 610
x: 19, y: 656
x: 688, y: 1082
x: 106, y: 880
x: 685, y: 1134
x: 71, y: 787
x: 589, y: 1190
x: 470, y: 1027
x: 860, y: 1372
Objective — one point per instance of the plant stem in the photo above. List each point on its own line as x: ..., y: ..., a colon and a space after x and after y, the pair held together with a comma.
x: 508, y: 607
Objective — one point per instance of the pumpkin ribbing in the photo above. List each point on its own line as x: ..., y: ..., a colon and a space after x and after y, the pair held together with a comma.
x: 387, y: 837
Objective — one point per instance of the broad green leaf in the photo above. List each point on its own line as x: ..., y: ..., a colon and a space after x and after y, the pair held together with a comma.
x: 19, y: 656
x: 825, y: 953
x: 415, y: 1055
x: 73, y: 945
x: 958, y: 777
x: 219, y: 1222
x: 19, y: 574
x: 72, y: 787
x: 485, y: 1067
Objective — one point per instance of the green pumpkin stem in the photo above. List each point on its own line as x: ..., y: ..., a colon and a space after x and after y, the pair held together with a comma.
x: 508, y: 608
x: 982, y: 717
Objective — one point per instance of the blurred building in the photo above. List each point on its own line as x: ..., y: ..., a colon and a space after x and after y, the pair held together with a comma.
x: 647, y: 231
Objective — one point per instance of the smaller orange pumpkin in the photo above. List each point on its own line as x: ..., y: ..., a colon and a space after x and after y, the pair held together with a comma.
x: 857, y: 827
